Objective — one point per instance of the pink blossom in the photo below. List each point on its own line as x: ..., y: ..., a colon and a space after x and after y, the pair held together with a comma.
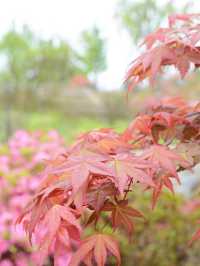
x: 6, y: 263
x: 25, y: 153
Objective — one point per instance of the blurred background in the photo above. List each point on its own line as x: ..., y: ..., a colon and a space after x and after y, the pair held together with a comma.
x: 65, y: 60
x: 62, y: 65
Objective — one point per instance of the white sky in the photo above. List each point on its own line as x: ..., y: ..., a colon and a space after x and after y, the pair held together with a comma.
x: 66, y: 19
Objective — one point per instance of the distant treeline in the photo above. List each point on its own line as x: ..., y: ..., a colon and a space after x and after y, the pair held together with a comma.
x: 27, y: 60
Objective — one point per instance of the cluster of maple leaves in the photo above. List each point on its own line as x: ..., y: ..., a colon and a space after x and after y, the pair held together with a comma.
x: 91, y: 180
x: 176, y: 45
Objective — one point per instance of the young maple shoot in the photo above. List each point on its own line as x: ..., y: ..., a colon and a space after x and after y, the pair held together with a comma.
x: 89, y: 183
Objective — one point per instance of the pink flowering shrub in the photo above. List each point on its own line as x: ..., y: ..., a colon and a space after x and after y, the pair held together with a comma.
x: 20, y: 161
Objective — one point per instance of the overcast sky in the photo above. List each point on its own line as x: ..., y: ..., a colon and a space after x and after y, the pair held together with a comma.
x: 66, y: 19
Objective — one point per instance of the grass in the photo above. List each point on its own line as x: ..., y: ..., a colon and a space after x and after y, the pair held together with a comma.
x: 68, y: 127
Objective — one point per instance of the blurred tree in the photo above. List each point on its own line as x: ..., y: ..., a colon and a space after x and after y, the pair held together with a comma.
x: 53, y: 62
x: 15, y: 48
x: 28, y: 62
x: 14, y: 52
x: 141, y: 17
x: 93, y: 56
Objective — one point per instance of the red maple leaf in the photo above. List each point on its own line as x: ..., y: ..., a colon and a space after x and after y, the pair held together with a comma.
x: 59, y: 226
x: 175, y: 45
x: 104, y: 140
x: 127, y: 167
x: 80, y: 167
x: 162, y: 181
x: 122, y: 214
x: 95, y: 248
x: 99, y: 192
x: 165, y: 159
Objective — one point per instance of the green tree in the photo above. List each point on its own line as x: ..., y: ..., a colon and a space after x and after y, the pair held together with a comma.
x: 15, y: 50
x: 141, y: 17
x: 93, y: 56
x: 53, y: 62
x: 28, y: 62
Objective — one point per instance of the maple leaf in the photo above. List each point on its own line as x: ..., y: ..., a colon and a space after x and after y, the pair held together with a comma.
x: 165, y: 159
x: 95, y: 248
x: 167, y: 104
x: 152, y: 125
x: 167, y: 119
x: 158, y: 56
x: 140, y: 125
x: 173, y: 19
x: 122, y: 214
x: 104, y: 140
x: 176, y: 102
x: 163, y: 181
x: 59, y: 224
x: 174, y: 45
x: 36, y: 211
x: 190, y: 151
x: 148, y: 65
x: 127, y: 167
x: 98, y: 193
x: 40, y: 204
x: 80, y: 167
x: 183, y: 65
x: 158, y: 35
x: 191, y: 131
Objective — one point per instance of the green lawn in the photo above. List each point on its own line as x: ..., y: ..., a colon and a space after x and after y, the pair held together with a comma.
x: 67, y: 126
